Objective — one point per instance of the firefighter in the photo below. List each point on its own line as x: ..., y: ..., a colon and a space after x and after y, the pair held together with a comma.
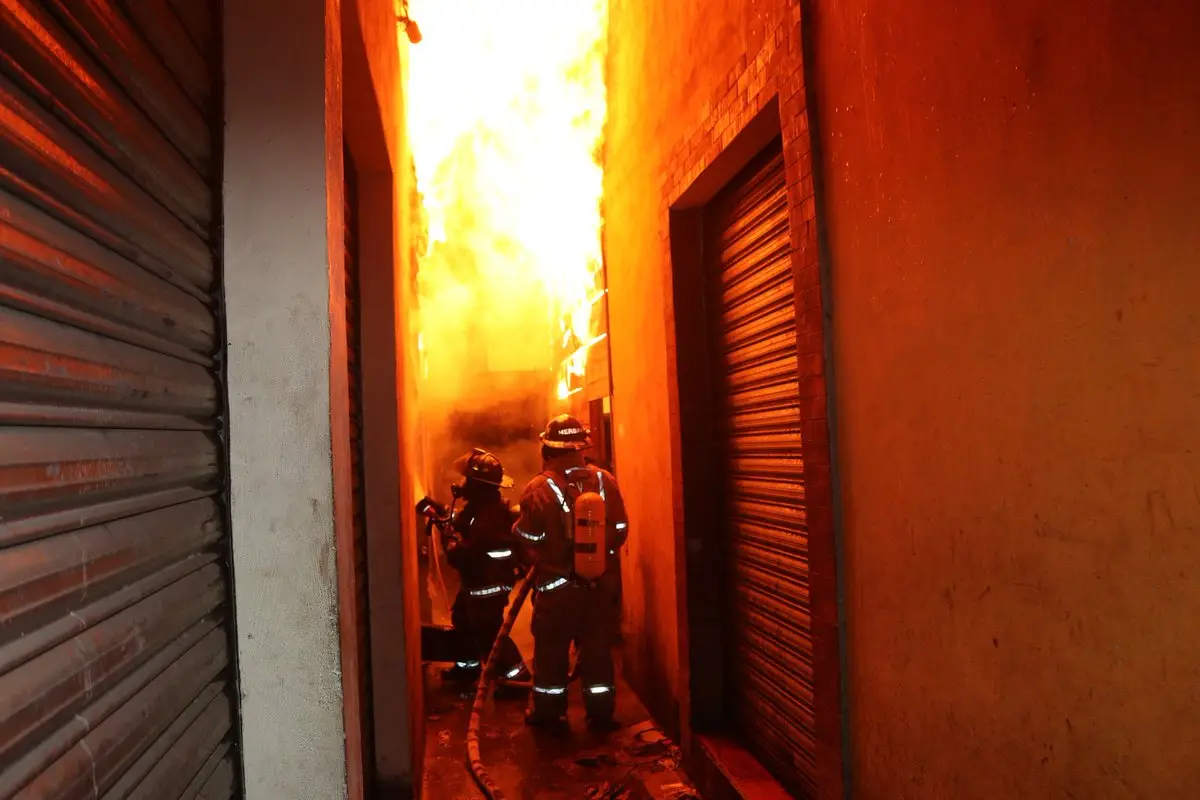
x: 577, y: 577
x: 481, y: 546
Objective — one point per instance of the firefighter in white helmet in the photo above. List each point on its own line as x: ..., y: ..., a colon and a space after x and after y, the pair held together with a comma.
x: 573, y: 521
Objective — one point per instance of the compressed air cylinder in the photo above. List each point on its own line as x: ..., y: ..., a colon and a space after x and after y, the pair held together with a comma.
x: 590, y: 540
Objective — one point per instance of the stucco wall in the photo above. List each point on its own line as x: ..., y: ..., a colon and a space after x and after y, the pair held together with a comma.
x: 282, y: 213
x: 1012, y: 196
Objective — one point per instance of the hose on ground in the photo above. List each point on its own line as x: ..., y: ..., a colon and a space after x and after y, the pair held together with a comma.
x: 436, y: 553
x: 486, y: 680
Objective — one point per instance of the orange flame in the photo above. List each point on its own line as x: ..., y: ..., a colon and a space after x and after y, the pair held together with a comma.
x: 506, y: 109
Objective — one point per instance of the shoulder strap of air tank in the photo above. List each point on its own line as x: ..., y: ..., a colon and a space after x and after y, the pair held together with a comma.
x: 598, y: 474
x: 553, y: 479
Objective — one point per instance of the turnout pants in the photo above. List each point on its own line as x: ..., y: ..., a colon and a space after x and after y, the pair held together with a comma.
x: 589, y: 617
x: 476, y: 622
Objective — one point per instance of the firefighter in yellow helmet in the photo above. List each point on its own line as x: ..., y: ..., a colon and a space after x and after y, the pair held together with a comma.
x: 573, y: 521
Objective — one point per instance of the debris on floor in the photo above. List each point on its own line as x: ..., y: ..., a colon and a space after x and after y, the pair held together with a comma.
x: 600, y: 759
x: 638, y: 762
x: 607, y: 792
x: 677, y: 791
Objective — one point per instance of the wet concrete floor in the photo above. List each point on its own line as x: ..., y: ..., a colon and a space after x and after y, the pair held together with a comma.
x: 634, y: 763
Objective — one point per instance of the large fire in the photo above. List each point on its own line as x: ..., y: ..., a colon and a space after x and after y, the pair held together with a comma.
x: 506, y: 110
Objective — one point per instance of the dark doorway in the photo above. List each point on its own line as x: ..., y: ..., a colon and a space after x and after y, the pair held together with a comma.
x: 354, y: 371
x: 749, y: 641
x: 763, y: 530
x: 600, y: 421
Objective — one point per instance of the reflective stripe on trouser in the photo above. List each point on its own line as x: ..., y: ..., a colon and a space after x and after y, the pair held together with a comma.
x: 476, y: 622
x: 589, y: 618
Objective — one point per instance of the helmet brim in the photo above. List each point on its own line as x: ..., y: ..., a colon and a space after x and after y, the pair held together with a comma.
x: 461, y: 467
x: 504, y: 483
x: 584, y: 445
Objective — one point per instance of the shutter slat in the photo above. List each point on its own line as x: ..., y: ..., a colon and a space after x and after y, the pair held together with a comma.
x: 115, y: 674
x: 55, y: 170
x: 770, y: 694
x: 158, y: 24
x: 110, y: 37
x: 361, y: 597
x: 52, y: 270
x: 63, y: 77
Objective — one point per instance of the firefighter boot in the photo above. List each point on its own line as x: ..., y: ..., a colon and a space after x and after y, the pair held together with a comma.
x: 546, y: 713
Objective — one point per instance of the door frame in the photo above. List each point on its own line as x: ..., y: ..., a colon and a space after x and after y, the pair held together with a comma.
x: 396, y: 714
x: 721, y: 763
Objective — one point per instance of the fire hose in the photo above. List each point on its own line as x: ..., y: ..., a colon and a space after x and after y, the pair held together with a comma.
x: 435, y: 557
x: 486, y: 680
x: 438, y: 517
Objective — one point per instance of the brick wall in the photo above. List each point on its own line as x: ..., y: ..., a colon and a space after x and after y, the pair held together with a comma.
x: 683, y: 85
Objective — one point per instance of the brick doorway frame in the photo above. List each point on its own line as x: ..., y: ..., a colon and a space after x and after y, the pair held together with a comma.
x: 763, y: 98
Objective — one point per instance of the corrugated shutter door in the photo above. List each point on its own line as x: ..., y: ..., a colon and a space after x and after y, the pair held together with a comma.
x: 765, y: 533
x: 115, y: 651
x: 357, y: 475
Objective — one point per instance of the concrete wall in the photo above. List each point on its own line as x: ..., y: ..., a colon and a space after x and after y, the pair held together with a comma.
x: 306, y: 724
x: 1012, y: 196
x: 1010, y: 190
x: 283, y: 216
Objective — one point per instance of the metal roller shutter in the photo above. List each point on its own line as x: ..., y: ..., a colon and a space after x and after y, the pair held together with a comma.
x: 354, y: 374
x: 115, y: 647
x: 765, y: 532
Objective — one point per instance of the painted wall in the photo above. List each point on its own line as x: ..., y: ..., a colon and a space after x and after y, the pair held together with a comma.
x: 1011, y: 197
x: 655, y: 90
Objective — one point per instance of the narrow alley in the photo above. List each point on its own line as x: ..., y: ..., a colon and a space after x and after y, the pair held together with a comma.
x: 635, y: 763
x: 599, y: 399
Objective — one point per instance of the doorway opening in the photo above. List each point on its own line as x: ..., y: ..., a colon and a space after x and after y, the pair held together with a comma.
x: 761, y: 531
